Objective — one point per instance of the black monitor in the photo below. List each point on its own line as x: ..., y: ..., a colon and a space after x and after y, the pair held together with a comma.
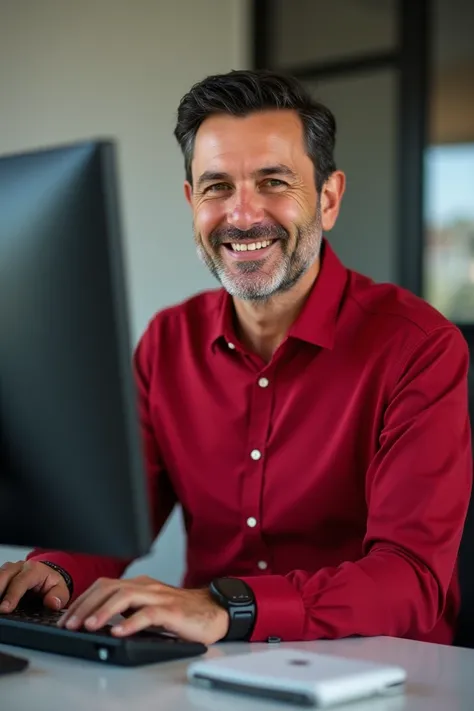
x: 71, y: 469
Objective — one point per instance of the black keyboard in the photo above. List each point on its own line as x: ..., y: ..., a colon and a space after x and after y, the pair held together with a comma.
x: 34, y: 627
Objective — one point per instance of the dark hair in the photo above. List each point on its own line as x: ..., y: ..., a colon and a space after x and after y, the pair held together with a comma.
x: 240, y: 93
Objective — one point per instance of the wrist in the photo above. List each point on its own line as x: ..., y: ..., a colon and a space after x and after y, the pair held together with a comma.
x: 63, y: 573
x: 222, y: 622
x: 237, y: 600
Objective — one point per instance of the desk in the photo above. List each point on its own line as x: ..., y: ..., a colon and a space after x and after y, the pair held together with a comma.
x: 439, y: 679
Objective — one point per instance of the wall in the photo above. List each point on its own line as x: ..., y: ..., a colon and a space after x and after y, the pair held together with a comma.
x: 365, y: 235
x: 365, y: 106
x: 71, y: 70
x: 310, y: 31
x: 452, y: 72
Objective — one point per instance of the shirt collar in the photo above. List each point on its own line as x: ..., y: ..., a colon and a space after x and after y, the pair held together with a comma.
x: 316, y: 323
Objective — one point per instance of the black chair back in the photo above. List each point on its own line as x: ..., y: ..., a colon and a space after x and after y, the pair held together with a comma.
x: 465, y: 627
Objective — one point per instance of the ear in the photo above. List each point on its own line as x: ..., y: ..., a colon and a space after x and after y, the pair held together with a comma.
x: 188, y: 192
x: 331, y: 197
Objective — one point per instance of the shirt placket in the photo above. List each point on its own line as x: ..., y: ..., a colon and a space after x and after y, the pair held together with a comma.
x: 256, y: 459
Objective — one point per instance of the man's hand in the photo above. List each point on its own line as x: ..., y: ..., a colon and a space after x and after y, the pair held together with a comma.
x: 17, y: 578
x: 190, y: 614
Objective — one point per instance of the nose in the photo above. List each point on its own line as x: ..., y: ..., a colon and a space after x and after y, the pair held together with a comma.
x: 245, y: 209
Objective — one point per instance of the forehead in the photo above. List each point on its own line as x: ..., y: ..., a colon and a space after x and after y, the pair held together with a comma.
x: 226, y: 142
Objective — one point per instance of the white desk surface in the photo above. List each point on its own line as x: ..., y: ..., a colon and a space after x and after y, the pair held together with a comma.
x: 440, y: 678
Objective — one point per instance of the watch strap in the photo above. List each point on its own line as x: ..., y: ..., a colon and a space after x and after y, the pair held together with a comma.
x: 241, y: 617
x: 241, y: 624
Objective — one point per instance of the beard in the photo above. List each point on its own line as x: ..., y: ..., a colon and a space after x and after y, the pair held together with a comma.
x: 260, y: 279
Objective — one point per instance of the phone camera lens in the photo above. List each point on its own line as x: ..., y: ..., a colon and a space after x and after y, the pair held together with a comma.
x: 299, y: 662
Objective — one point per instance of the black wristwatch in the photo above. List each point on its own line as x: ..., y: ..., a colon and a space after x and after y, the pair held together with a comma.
x: 237, y: 598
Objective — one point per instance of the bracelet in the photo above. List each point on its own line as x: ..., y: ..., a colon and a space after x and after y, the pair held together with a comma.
x: 64, y: 574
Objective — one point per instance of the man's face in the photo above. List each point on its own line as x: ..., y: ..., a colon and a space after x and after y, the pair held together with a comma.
x: 257, y: 216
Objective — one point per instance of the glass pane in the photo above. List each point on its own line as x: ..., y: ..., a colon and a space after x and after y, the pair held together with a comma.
x: 313, y: 31
x: 449, y: 164
x: 365, y: 109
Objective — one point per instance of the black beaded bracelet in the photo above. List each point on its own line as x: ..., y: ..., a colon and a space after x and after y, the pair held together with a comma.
x: 62, y: 572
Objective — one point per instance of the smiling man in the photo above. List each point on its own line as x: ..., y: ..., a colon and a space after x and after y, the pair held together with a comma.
x: 312, y: 424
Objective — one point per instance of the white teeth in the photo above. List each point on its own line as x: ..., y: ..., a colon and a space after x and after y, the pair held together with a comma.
x: 238, y: 247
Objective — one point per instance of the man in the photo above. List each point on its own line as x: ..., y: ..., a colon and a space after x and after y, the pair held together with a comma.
x: 312, y: 424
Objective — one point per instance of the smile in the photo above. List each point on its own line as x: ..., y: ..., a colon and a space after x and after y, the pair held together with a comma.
x: 244, y: 251
x: 250, y: 246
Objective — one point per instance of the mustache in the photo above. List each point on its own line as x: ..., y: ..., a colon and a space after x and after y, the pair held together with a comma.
x: 257, y: 233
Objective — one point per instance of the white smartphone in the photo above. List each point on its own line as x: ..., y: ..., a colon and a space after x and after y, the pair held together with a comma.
x: 298, y: 677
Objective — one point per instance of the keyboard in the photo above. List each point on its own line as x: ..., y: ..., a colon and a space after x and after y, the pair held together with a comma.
x: 34, y: 627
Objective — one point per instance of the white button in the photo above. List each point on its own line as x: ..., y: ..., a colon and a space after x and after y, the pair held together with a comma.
x: 251, y: 522
x: 263, y: 382
x: 255, y: 454
x: 231, y: 346
x: 262, y: 564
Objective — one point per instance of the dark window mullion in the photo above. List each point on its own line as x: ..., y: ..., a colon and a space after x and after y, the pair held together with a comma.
x: 414, y: 33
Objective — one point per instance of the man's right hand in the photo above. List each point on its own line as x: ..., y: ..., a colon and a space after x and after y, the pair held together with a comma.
x: 18, y: 578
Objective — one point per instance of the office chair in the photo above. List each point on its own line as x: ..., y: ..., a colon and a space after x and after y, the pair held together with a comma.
x: 464, y: 636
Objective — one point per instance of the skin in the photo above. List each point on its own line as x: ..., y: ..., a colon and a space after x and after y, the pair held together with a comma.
x: 252, y: 181
x: 17, y: 578
x: 250, y: 197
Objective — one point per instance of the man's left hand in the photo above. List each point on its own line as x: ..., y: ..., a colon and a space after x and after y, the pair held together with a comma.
x: 190, y: 614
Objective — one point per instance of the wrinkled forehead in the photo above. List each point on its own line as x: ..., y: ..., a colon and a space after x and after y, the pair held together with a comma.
x: 244, y: 145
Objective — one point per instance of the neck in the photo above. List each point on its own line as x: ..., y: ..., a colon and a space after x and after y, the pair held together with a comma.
x: 263, y: 326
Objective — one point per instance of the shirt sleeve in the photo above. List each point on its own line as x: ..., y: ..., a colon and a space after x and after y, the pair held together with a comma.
x: 417, y: 491
x: 86, y: 569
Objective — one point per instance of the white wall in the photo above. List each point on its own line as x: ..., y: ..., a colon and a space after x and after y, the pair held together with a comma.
x: 73, y: 70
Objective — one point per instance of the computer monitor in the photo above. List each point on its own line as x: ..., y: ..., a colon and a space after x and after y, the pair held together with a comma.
x: 71, y: 468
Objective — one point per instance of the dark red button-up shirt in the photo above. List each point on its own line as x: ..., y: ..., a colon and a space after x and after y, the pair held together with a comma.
x: 335, y: 479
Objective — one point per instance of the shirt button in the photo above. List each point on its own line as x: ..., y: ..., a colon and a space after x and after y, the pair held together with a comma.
x: 251, y: 522
x: 231, y: 346
x: 262, y: 564
x: 263, y: 382
x: 255, y: 454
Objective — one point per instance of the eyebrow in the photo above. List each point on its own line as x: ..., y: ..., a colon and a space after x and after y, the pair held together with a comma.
x: 210, y: 176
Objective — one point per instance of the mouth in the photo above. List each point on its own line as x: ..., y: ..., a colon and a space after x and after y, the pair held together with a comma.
x: 249, y: 250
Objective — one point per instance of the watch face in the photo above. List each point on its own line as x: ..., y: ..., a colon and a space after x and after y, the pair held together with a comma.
x: 234, y: 590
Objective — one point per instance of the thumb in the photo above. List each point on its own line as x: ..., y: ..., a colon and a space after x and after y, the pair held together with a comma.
x: 57, y: 597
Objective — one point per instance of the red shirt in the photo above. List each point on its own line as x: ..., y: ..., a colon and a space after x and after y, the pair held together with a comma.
x: 335, y: 479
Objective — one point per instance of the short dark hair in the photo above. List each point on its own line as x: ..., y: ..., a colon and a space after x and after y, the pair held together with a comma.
x: 242, y: 92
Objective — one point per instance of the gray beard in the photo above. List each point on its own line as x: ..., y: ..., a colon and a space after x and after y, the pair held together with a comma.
x: 289, y: 269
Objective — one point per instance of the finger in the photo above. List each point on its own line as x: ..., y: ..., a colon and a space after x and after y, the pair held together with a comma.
x: 71, y: 611
x: 52, y: 589
x: 26, y: 579
x: 121, y: 601
x: 7, y: 572
x: 148, y: 616
x: 88, y: 602
x: 57, y: 596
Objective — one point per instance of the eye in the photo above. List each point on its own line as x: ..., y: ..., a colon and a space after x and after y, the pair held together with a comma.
x: 217, y: 188
x: 274, y: 183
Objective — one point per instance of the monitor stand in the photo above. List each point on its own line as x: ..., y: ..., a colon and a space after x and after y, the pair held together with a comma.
x: 9, y: 663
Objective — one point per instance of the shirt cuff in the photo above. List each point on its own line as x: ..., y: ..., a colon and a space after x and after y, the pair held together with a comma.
x: 280, y: 609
